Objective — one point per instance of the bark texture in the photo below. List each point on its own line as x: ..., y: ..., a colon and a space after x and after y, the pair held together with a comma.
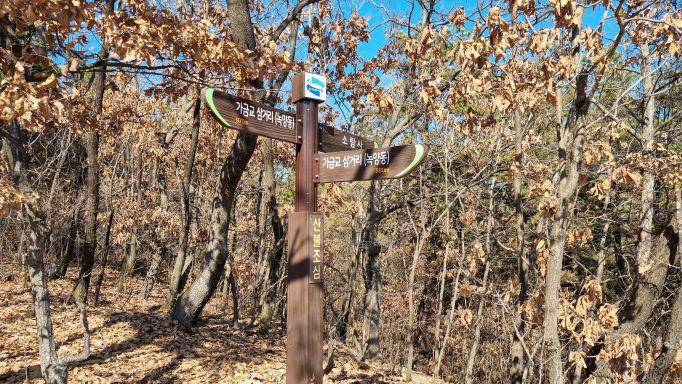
x: 180, y: 257
x: 570, y: 145
x: 517, y: 368
x: 190, y: 304
x: 80, y: 292
x: 53, y: 368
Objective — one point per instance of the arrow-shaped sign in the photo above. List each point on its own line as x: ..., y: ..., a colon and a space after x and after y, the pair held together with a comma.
x: 333, y: 140
x: 371, y: 164
x: 262, y: 120
x: 251, y: 117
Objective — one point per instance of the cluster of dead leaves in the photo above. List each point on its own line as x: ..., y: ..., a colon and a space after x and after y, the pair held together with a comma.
x: 33, y: 105
x: 10, y: 198
x: 146, y: 32
x: 52, y: 17
x: 587, y: 319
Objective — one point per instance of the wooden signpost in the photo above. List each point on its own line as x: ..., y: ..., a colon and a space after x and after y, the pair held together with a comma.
x: 348, y: 157
x: 259, y: 119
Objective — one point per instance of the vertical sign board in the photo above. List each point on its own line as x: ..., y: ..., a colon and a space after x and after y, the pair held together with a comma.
x: 305, y: 243
x: 316, y: 251
x: 304, y: 298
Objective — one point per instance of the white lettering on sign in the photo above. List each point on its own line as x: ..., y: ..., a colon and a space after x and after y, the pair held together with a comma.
x: 286, y: 121
x: 245, y: 109
x: 355, y: 143
x: 352, y: 142
x: 317, y: 262
x: 377, y: 158
x: 332, y: 162
x: 349, y: 161
x: 265, y: 115
x: 261, y: 114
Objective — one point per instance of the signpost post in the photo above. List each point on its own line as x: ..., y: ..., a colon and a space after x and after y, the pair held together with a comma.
x: 304, y: 297
x: 348, y: 157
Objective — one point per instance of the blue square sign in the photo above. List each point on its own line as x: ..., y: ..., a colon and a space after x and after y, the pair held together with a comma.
x: 315, y: 87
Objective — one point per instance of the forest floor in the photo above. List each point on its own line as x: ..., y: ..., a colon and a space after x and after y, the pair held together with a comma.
x: 134, y: 341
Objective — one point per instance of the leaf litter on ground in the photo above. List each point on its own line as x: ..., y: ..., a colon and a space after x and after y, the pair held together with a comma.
x: 133, y: 340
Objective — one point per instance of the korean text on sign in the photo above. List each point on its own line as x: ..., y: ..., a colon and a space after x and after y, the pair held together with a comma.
x: 345, y: 161
x: 317, y: 247
x: 351, y: 142
x: 377, y: 158
x: 261, y: 114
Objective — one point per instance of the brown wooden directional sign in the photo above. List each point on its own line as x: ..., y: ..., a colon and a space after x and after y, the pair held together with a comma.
x: 371, y: 164
x: 355, y: 160
x: 333, y: 140
x: 259, y: 119
x: 251, y: 117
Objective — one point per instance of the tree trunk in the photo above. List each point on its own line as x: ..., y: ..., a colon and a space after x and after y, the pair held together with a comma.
x: 41, y: 298
x: 160, y: 177
x: 601, y: 255
x: 267, y: 185
x: 53, y: 369
x: 105, y: 259
x: 651, y: 268
x: 80, y: 292
x: 421, y: 239
x: 518, y: 365
x: 344, y: 320
x: 186, y: 216
x: 273, y: 264
x: 190, y: 304
x: 446, y: 256
x: 646, y: 217
x: 469, y: 373
x: 152, y: 272
x: 453, y: 302
x: 70, y: 250
x: 229, y: 280
x: 570, y: 149
x: 229, y: 275
x: 660, y: 371
x: 372, y: 279
x: 136, y: 192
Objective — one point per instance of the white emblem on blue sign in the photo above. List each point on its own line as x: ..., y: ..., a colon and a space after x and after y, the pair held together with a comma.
x: 315, y: 87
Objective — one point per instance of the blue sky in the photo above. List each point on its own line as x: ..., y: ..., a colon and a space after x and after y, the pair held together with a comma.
x: 379, y: 27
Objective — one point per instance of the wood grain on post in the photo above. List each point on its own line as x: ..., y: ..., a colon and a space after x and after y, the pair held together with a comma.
x: 298, y: 363
x: 304, y: 299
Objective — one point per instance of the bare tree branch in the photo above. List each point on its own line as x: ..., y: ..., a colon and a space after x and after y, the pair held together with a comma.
x: 290, y: 17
